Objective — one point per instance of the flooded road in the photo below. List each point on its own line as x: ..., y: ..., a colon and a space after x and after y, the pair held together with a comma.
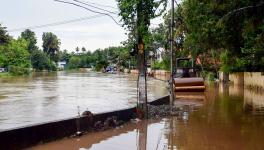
x: 51, y: 96
x: 228, y: 118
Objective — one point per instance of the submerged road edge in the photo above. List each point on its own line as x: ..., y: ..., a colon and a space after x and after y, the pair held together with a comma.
x: 31, y: 135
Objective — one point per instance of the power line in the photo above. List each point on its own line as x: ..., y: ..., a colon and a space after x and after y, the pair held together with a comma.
x: 94, y: 11
x: 108, y: 6
x: 56, y: 23
x: 85, y: 3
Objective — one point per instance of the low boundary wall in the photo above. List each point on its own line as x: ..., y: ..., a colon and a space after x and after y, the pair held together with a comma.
x: 162, y: 75
x: 253, y: 79
x: 27, y: 136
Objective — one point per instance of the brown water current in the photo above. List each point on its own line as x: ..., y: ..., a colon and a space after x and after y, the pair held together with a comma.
x: 46, y: 97
x: 227, y: 118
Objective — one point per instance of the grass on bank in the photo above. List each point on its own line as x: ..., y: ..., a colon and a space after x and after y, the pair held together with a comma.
x: 5, y: 74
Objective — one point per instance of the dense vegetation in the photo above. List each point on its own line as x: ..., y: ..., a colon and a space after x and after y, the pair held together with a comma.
x: 224, y: 34
x: 227, y: 35
x: 19, y: 55
x: 99, y: 59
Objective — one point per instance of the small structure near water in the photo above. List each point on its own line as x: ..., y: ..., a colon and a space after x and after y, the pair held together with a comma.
x: 62, y: 65
x: 2, y: 70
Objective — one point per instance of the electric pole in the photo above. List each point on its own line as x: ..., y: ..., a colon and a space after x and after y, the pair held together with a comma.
x: 171, y: 54
x: 142, y: 82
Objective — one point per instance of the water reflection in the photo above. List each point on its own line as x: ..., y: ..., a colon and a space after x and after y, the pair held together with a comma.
x: 142, y: 135
x: 253, y: 99
x: 220, y: 122
x: 254, y: 102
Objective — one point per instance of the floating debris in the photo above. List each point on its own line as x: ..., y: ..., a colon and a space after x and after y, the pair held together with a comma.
x: 110, y: 122
x: 167, y: 110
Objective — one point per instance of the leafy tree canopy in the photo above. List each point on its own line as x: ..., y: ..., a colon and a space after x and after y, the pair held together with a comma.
x: 4, y: 37
x: 136, y: 14
x: 51, y: 45
x: 30, y: 37
x: 15, y: 54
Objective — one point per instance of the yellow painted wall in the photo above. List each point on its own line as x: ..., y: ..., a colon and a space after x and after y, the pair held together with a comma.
x: 254, y: 79
x: 162, y: 75
x: 247, y: 79
x: 237, y: 78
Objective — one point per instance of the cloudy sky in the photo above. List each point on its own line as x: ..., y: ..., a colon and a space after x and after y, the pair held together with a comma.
x: 98, y: 32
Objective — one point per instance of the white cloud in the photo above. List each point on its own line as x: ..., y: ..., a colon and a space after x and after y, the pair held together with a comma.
x: 92, y: 34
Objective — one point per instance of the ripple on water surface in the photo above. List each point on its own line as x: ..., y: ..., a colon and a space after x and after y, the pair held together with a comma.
x: 51, y: 96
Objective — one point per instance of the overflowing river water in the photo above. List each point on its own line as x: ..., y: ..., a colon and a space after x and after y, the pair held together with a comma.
x: 51, y: 96
x: 228, y: 118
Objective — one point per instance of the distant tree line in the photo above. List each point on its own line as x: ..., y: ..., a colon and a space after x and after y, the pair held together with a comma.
x: 19, y: 55
x: 99, y: 59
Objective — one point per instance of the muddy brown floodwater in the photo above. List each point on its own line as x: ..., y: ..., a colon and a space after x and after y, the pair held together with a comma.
x: 46, y: 97
x: 226, y: 118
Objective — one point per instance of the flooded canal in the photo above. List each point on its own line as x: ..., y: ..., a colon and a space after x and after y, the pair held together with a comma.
x: 227, y: 118
x: 51, y: 96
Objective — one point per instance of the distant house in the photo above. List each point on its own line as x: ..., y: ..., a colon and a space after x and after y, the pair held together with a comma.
x: 160, y: 52
x: 2, y: 70
x: 62, y: 64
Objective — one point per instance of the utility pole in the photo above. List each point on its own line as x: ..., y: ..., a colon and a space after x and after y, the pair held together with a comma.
x: 142, y: 82
x: 171, y: 54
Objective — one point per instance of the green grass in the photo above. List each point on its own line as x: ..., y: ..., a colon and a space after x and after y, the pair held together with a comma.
x: 5, y: 74
x: 9, y: 75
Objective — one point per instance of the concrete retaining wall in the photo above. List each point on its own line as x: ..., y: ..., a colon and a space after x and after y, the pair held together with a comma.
x: 162, y: 75
x: 134, y: 71
x: 157, y: 74
x: 27, y: 136
x: 255, y: 79
x: 31, y: 135
x: 237, y: 78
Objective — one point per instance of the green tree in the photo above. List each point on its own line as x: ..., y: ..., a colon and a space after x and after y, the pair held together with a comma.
x: 4, y: 37
x: 83, y: 49
x: 74, y: 62
x: 30, y: 37
x: 229, y: 27
x: 51, y: 45
x: 136, y: 15
x: 77, y: 50
x: 15, y: 57
x: 65, y: 56
x: 41, y: 61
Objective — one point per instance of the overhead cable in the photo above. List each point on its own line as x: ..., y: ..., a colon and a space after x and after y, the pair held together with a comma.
x: 102, y: 5
x: 85, y: 3
x: 94, y: 11
x: 56, y: 23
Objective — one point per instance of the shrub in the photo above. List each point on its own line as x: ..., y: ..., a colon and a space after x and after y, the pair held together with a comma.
x: 41, y: 61
x: 16, y: 70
